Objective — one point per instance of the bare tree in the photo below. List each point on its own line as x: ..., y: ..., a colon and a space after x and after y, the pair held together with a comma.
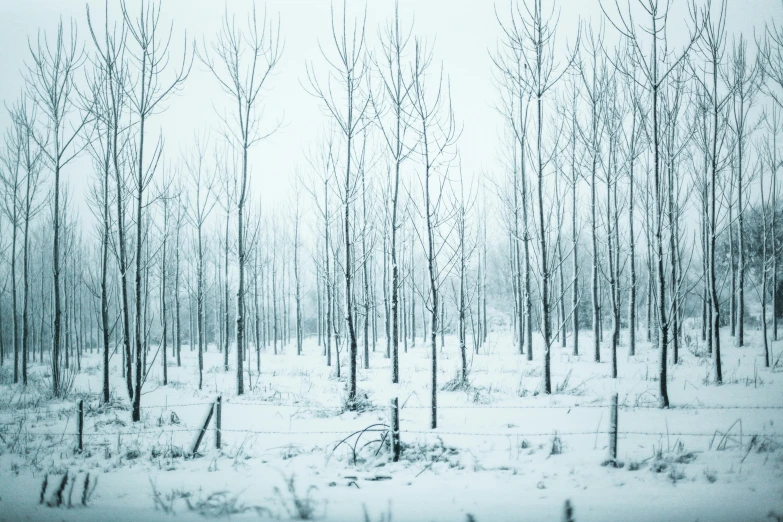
x: 51, y: 83
x: 229, y: 183
x: 773, y: 125
x: 366, y: 254
x: 654, y: 69
x: 202, y: 201
x: 437, y: 133
x: 594, y: 77
x: 634, y: 147
x: 242, y: 61
x: 12, y: 180
x: 712, y: 47
x: 151, y: 59
x: 297, y: 219
x: 771, y: 49
x: 165, y: 197
x: 535, y: 32
x: 349, y: 69
x: 466, y: 246
x: 763, y: 204
x: 745, y: 80
x: 513, y: 67
x: 573, y: 180
x: 24, y: 116
x: 396, y: 97
x: 181, y: 212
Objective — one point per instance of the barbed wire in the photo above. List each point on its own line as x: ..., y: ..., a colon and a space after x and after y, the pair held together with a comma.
x: 694, y: 407
x: 409, y: 432
x: 572, y: 433
x: 107, y: 434
x: 181, y: 405
x: 144, y: 431
x: 328, y: 432
x: 163, y: 431
x: 693, y: 434
x: 587, y: 406
x: 509, y: 407
x: 715, y: 407
x: 499, y: 434
x: 273, y: 405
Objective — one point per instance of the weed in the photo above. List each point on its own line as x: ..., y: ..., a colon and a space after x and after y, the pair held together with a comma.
x: 568, y: 512
x: 216, y: 505
x: 68, y: 481
x: 132, y: 454
x: 298, y: 506
x: 556, y: 445
x: 636, y: 465
x: 360, y: 404
x: 675, y: 474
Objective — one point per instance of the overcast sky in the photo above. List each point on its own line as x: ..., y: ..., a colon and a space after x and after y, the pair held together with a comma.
x: 464, y: 32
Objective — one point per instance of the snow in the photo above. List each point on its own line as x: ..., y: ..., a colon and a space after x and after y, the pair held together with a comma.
x: 491, y: 456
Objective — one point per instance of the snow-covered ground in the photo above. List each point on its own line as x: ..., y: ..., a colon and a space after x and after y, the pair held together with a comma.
x: 501, y: 451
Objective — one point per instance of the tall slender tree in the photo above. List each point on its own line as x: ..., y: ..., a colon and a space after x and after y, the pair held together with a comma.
x: 242, y: 62
x: 51, y: 83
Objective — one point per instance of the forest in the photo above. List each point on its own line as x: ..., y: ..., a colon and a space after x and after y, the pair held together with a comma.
x: 624, y: 240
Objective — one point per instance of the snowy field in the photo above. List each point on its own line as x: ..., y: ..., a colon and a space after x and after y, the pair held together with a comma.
x: 501, y: 451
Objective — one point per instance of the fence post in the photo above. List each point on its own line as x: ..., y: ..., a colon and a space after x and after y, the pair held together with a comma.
x: 81, y: 425
x: 203, y: 430
x: 613, y: 429
x: 218, y: 420
x: 394, y: 428
x: 568, y: 511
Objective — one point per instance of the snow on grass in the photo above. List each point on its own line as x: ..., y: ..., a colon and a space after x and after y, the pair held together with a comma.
x: 502, y: 451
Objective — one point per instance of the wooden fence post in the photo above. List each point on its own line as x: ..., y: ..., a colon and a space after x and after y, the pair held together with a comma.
x: 568, y: 511
x: 81, y: 425
x: 394, y: 428
x: 203, y: 430
x: 218, y: 420
x: 613, y: 429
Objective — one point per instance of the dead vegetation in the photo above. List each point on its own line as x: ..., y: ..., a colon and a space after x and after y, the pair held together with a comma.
x: 59, y: 490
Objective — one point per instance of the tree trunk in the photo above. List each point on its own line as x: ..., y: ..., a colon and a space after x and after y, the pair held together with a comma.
x: 226, y: 322
x: 274, y: 294
x: 365, y: 258
x: 257, y: 318
x: 297, y: 288
x: 611, y: 246
x: 327, y: 276
x: 164, y: 268
x: 632, y: 240
x: 663, y: 326
x: 178, y: 338
x: 200, y: 306
x: 741, y: 252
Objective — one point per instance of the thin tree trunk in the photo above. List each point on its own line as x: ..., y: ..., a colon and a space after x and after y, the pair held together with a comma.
x: 610, y: 233
x: 257, y: 318
x: 297, y: 289
x: 364, y: 271
x: 574, y: 240
x: 226, y: 321
x: 177, y: 307
x: 632, y: 239
x: 164, y: 268
x: 327, y: 276
x: 740, y: 253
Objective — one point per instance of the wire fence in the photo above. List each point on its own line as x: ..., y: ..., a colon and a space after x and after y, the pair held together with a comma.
x: 326, y: 409
x: 95, y: 430
x: 403, y: 432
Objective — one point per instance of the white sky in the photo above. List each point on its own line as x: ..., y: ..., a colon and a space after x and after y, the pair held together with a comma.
x: 464, y: 33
